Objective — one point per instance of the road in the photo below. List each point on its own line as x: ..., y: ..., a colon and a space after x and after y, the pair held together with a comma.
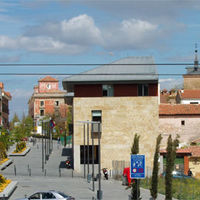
x: 31, y: 177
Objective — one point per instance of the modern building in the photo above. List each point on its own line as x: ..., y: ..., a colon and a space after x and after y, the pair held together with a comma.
x: 46, y: 100
x: 5, y: 97
x: 123, y: 96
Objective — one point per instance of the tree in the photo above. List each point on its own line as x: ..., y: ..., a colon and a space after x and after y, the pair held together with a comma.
x: 154, y: 180
x: 29, y: 126
x: 14, y: 120
x: 135, y: 186
x: 170, y: 158
x: 69, y: 119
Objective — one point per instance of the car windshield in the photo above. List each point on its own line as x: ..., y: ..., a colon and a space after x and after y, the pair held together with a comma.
x: 63, y: 194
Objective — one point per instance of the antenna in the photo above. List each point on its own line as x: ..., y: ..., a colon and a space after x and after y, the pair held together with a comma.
x: 196, y: 62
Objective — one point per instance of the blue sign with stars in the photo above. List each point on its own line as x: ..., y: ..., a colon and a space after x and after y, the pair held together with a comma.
x: 137, y: 169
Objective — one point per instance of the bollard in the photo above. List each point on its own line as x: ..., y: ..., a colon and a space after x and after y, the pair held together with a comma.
x: 28, y: 169
x: 72, y: 173
x: 59, y: 172
x: 15, y: 170
x: 45, y: 172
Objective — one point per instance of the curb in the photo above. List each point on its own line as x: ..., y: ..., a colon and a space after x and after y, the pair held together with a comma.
x: 20, y: 154
x: 8, y: 190
x: 5, y: 164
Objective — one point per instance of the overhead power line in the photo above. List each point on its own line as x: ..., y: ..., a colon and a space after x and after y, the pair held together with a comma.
x: 68, y: 74
x: 88, y: 64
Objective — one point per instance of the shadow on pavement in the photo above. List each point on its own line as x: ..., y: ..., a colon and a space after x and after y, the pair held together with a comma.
x: 67, y: 152
x: 62, y: 164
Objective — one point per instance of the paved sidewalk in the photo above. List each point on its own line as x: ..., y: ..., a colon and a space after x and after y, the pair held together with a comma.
x: 76, y: 186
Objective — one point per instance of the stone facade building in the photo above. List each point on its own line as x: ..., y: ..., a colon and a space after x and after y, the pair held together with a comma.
x: 123, y: 96
x: 47, y: 99
x: 181, y: 119
x: 5, y: 97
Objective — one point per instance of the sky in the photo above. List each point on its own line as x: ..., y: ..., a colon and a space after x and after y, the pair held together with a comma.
x: 92, y: 31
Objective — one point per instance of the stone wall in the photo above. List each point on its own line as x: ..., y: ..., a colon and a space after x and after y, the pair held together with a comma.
x: 122, y: 117
x: 172, y: 125
x: 192, y: 82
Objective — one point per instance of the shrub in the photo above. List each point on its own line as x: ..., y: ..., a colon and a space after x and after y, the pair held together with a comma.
x: 2, y: 179
x: 3, y: 154
x: 20, y: 146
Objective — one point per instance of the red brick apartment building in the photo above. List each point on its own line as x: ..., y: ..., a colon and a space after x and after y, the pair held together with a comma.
x: 5, y: 97
x: 47, y: 99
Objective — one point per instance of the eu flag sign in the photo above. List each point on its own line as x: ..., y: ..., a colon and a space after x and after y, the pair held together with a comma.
x: 137, y: 168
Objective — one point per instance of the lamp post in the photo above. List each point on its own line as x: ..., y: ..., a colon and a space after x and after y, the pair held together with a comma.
x: 88, y: 148
x: 1, y: 107
x: 84, y: 148
x: 99, y: 192
x: 42, y: 147
x: 92, y: 156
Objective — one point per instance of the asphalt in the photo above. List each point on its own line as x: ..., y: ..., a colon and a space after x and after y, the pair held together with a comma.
x: 31, y: 177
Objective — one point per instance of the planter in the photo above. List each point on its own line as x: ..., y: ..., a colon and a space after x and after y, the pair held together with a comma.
x: 21, y: 153
x: 6, y: 164
x: 8, y: 190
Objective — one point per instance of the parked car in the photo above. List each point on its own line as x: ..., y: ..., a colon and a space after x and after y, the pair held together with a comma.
x: 51, y: 194
x: 177, y: 174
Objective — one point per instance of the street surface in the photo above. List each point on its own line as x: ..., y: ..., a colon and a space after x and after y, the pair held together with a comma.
x: 31, y: 178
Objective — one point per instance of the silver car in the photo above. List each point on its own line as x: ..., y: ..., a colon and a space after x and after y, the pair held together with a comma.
x: 51, y: 194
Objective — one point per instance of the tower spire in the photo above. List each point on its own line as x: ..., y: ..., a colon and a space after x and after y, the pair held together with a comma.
x: 196, y: 62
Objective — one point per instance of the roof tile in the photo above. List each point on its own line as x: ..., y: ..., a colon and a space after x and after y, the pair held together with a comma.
x: 179, y: 109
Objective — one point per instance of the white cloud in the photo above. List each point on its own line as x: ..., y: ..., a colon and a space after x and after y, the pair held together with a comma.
x: 9, y: 59
x: 170, y: 83
x: 131, y: 34
x: 21, y: 93
x: 80, y: 33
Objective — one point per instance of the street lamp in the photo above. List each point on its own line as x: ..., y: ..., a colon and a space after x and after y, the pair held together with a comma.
x: 99, y: 191
x: 1, y: 106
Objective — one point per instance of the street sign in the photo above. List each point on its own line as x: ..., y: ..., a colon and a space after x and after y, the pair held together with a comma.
x: 137, y: 168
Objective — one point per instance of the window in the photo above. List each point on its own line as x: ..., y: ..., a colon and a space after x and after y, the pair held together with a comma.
x: 41, y: 103
x: 96, y: 115
x: 41, y: 112
x: 107, y: 90
x: 56, y: 103
x: 48, y: 195
x: 35, y: 196
x: 183, y: 122
x: 143, y: 90
x: 48, y: 86
x: 96, y: 158
x: 194, y: 102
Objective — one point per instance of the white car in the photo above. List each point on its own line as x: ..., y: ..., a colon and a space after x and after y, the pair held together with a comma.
x: 49, y: 195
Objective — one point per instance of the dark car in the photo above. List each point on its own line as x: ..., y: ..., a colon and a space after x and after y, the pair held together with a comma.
x: 177, y: 174
x: 51, y: 194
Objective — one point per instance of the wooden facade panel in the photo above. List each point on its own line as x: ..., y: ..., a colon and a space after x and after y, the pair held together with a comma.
x: 88, y: 90
x: 121, y: 90
x: 153, y: 89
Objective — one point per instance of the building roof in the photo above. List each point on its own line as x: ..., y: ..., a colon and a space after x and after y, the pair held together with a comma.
x: 164, y: 98
x: 195, y: 150
x: 48, y: 79
x: 190, y: 94
x: 178, y: 151
x: 7, y: 94
x: 179, y: 109
x: 118, y: 71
